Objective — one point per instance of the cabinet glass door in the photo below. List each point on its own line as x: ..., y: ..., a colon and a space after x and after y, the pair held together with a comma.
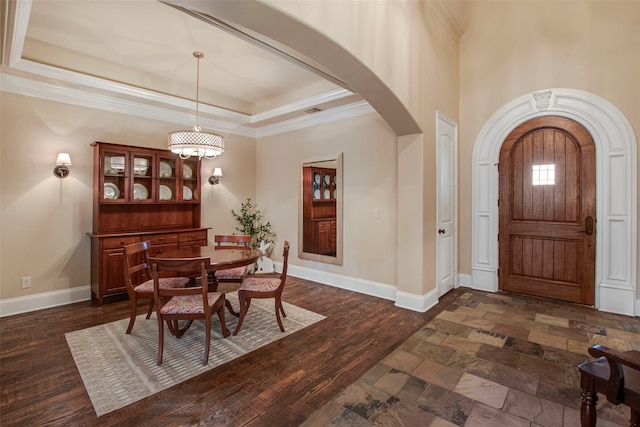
x: 317, y: 185
x: 142, y: 168
x: 190, y: 173
x: 334, y: 187
x: 167, y: 178
x: 113, y: 180
x: 326, y: 186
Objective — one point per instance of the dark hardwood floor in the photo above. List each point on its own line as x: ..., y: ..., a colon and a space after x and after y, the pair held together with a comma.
x: 281, y: 384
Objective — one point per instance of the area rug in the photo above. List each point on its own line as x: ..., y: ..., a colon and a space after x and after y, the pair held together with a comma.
x: 118, y: 369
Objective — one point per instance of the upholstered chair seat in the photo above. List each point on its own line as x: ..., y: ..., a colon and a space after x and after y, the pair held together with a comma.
x: 264, y: 287
x: 165, y: 282
x: 137, y: 278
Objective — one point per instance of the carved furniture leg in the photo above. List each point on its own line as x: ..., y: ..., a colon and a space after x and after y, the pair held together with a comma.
x: 588, y: 408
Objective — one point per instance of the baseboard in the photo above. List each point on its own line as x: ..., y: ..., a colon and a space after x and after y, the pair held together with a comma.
x: 464, y: 280
x: 367, y: 287
x: 414, y: 302
x: 11, y: 306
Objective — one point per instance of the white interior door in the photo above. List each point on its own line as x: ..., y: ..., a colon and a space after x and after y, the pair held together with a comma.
x: 447, y: 210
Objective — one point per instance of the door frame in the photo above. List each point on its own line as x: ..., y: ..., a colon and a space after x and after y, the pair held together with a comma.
x: 616, y: 192
x: 454, y: 172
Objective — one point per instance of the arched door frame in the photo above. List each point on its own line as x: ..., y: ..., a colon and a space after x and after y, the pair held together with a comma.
x: 616, y: 192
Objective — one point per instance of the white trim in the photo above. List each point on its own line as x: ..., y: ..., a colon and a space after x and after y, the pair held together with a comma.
x: 362, y: 286
x: 11, y: 306
x: 301, y: 105
x: 616, y: 192
x: 43, y: 81
x: 420, y: 303
x: 464, y: 280
x: 414, y: 302
x: 343, y: 112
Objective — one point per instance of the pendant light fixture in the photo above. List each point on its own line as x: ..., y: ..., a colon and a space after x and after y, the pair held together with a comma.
x: 196, y: 142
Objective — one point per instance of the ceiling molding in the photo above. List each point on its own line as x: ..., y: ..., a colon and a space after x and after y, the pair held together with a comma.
x: 448, y: 20
x: 339, y: 113
x: 29, y: 78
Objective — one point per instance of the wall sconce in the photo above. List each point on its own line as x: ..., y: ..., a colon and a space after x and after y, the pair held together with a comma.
x: 215, y: 178
x: 62, y: 165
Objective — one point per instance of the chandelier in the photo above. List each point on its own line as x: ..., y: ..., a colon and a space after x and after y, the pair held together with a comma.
x: 196, y: 142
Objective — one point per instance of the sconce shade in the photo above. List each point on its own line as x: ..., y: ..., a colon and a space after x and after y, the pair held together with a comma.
x: 62, y: 165
x: 215, y: 178
x: 64, y: 159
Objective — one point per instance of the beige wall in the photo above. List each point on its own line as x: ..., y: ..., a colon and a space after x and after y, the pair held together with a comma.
x: 406, y: 45
x: 513, y: 48
x: 369, y: 182
x: 44, y: 220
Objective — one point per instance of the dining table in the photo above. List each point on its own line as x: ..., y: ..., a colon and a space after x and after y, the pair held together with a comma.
x: 217, y: 260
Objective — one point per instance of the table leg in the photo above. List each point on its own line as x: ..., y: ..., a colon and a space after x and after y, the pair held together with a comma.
x: 212, y: 282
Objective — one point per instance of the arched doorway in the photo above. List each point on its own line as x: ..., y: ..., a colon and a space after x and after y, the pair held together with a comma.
x: 616, y: 192
x: 547, y: 210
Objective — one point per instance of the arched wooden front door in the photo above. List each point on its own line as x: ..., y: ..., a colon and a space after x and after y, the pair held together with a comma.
x: 547, y: 211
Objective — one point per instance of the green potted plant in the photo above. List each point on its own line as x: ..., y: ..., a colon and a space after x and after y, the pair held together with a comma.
x: 251, y: 222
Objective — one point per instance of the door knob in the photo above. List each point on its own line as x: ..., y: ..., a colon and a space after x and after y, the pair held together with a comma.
x: 441, y: 231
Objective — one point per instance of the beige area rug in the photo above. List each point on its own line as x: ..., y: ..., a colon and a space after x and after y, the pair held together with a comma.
x: 118, y: 369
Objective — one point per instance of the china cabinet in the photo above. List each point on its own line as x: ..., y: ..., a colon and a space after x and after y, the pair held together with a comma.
x: 140, y: 194
x: 319, y: 210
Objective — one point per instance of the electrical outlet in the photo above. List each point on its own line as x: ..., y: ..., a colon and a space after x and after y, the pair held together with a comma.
x: 26, y: 282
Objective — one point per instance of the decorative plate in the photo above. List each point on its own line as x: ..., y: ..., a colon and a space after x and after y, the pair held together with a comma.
x: 111, y: 191
x: 165, y: 170
x: 316, y: 194
x: 317, y: 178
x: 187, y: 194
x: 335, y: 194
x: 140, y: 192
x: 327, y: 194
x: 327, y: 179
x: 187, y: 172
x: 165, y: 193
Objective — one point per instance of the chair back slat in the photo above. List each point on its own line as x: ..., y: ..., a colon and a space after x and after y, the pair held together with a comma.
x: 285, y: 263
x: 232, y: 241
x: 136, y: 264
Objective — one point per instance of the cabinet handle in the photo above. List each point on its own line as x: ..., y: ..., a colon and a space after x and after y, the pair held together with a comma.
x: 441, y: 231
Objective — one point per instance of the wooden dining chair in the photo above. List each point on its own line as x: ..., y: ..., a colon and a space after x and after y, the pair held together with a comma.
x: 616, y: 375
x: 263, y: 287
x: 236, y: 241
x: 137, y: 278
x: 191, y: 303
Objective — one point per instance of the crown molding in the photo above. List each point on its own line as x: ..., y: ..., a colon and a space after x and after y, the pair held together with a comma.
x: 448, y: 20
x: 42, y: 81
x: 339, y: 113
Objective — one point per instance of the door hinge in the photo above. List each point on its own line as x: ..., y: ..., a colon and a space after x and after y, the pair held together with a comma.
x: 498, y: 237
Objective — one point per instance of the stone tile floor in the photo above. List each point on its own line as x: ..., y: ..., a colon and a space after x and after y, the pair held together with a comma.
x: 487, y: 360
